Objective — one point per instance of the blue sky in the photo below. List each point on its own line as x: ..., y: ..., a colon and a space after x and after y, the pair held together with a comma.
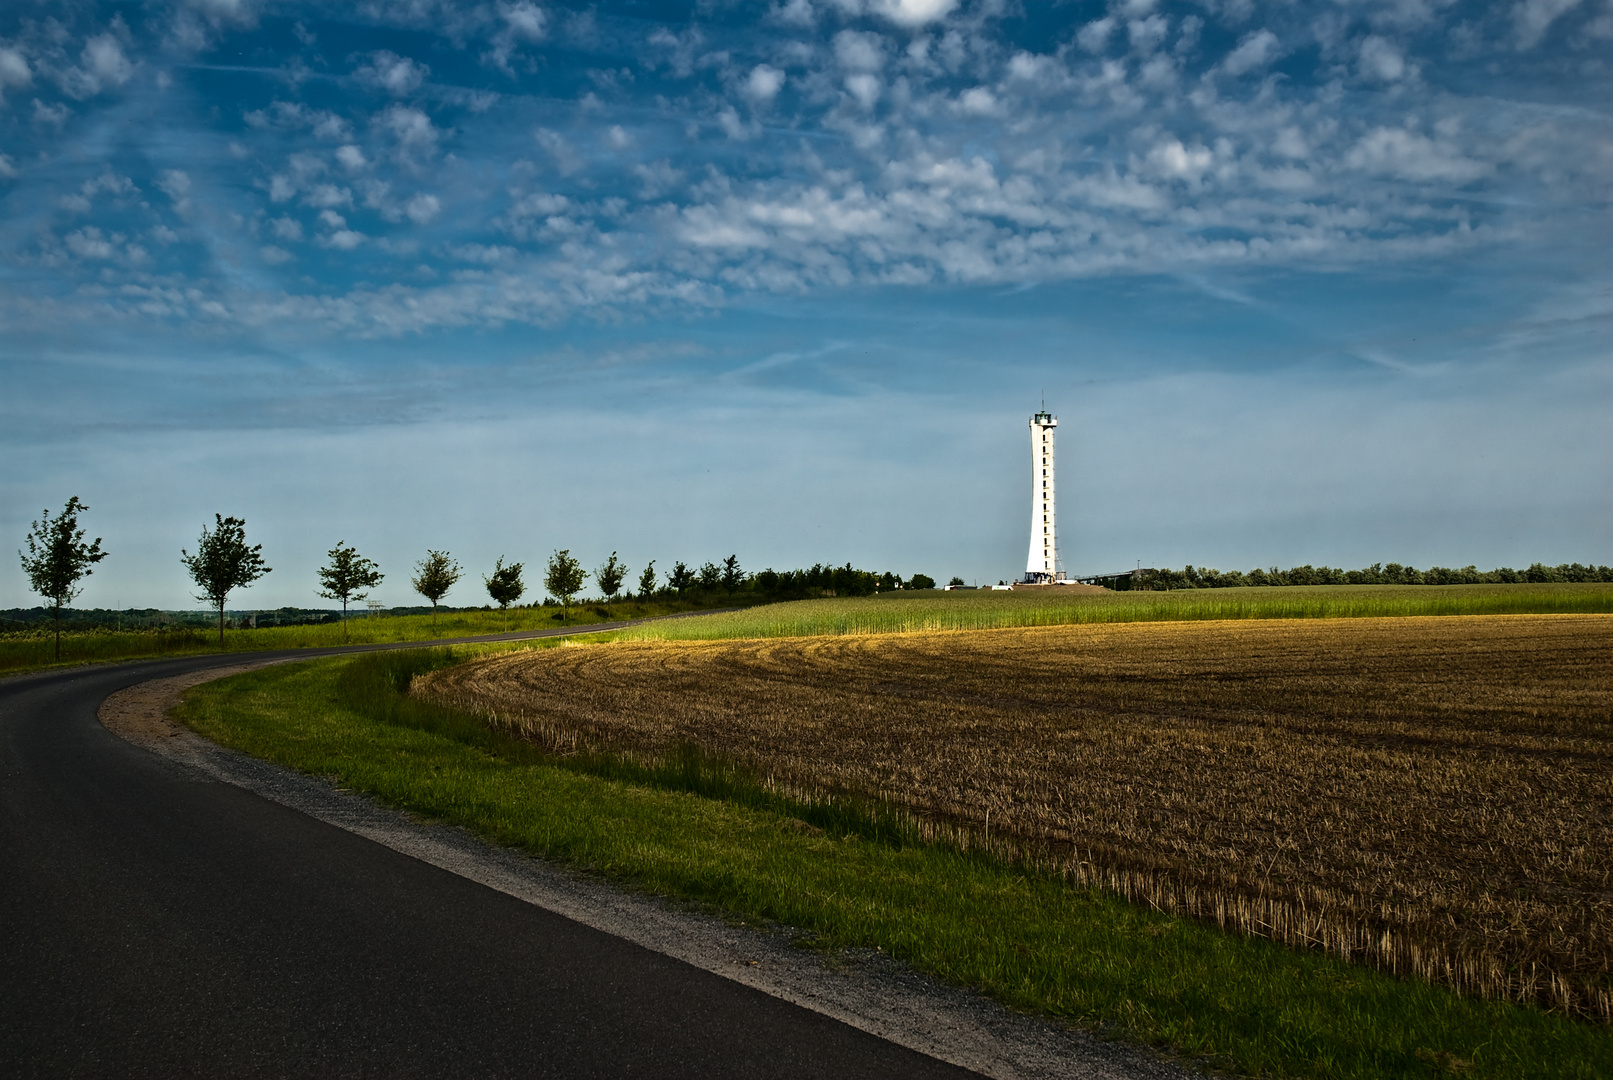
x: 1320, y: 282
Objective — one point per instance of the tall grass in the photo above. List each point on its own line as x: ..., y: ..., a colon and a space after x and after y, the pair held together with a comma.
x: 900, y: 612
x: 376, y: 686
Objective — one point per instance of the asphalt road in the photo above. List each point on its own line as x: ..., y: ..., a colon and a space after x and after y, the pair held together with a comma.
x: 156, y: 924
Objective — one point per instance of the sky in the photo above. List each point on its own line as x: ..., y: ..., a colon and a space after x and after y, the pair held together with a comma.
x: 1315, y: 283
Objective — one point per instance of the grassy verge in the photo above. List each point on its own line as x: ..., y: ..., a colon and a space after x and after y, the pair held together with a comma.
x: 691, y: 830
x: 903, y: 612
x: 20, y: 652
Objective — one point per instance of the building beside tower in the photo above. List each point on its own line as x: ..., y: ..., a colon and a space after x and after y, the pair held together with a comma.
x: 1042, y: 566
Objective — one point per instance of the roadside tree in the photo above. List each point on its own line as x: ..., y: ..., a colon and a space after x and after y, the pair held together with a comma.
x: 732, y: 575
x: 58, y: 559
x: 610, y: 577
x: 921, y: 581
x: 681, y: 577
x: 564, y: 579
x: 348, y: 576
x: 710, y: 576
x: 504, y: 583
x: 223, y: 563
x: 434, y: 576
x: 646, y: 582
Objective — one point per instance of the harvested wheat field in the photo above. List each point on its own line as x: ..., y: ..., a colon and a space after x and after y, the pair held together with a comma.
x: 1429, y: 795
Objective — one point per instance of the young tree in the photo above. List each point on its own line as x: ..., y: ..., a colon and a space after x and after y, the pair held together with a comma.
x: 610, y: 576
x: 58, y: 559
x: 434, y: 576
x: 710, y: 576
x: 646, y: 581
x: 564, y: 579
x: 681, y: 577
x: 223, y: 563
x: 348, y: 576
x: 504, y: 583
x: 732, y: 575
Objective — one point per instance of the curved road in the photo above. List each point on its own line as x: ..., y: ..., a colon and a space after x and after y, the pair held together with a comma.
x: 153, y: 923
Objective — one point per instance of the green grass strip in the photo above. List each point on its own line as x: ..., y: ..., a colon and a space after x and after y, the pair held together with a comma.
x: 1023, y: 937
x: 907, y: 612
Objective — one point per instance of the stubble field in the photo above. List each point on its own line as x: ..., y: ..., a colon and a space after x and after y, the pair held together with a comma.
x: 1428, y: 795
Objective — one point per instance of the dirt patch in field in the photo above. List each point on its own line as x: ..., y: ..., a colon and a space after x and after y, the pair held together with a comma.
x: 1434, y: 795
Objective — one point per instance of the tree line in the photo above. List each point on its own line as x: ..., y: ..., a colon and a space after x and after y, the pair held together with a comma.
x: 1201, y: 577
x: 58, y: 559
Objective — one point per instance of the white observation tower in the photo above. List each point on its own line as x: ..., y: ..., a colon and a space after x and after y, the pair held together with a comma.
x: 1042, y: 564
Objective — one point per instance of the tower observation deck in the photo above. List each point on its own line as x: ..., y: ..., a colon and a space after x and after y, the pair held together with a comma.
x: 1042, y: 565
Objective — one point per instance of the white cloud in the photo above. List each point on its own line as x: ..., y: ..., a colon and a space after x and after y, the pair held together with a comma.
x: 274, y: 256
x: 978, y: 101
x: 344, y: 240
x: 911, y: 14
x: 1409, y: 155
x: 101, y: 65
x: 90, y: 243
x: 1094, y: 36
x: 397, y: 75
x: 858, y: 51
x: 526, y: 21
x: 411, y: 127
x: 1534, y: 17
x: 763, y: 83
x: 1146, y: 34
x: 328, y: 195
x: 55, y: 115
x: 1255, y: 51
x: 1381, y: 60
x: 175, y: 183
x: 422, y: 208
x: 286, y: 228
x: 914, y: 13
x: 1170, y: 158
x: 8, y: 168
x: 523, y: 23
x: 14, y: 70
x: 865, y: 88
x: 350, y: 157
x: 616, y: 138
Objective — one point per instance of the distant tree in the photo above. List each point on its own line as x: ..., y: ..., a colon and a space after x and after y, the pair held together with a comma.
x: 955, y: 580
x: 646, y: 581
x: 732, y: 575
x: 348, y: 576
x: 223, y: 563
x: 610, y: 576
x: 434, y: 576
x: 682, y: 577
x: 564, y: 579
x: 921, y: 581
x: 710, y: 576
x: 768, y: 580
x: 504, y: 583
x: 58, y: 559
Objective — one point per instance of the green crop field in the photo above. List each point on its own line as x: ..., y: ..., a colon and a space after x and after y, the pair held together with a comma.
x: 900, y: 612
